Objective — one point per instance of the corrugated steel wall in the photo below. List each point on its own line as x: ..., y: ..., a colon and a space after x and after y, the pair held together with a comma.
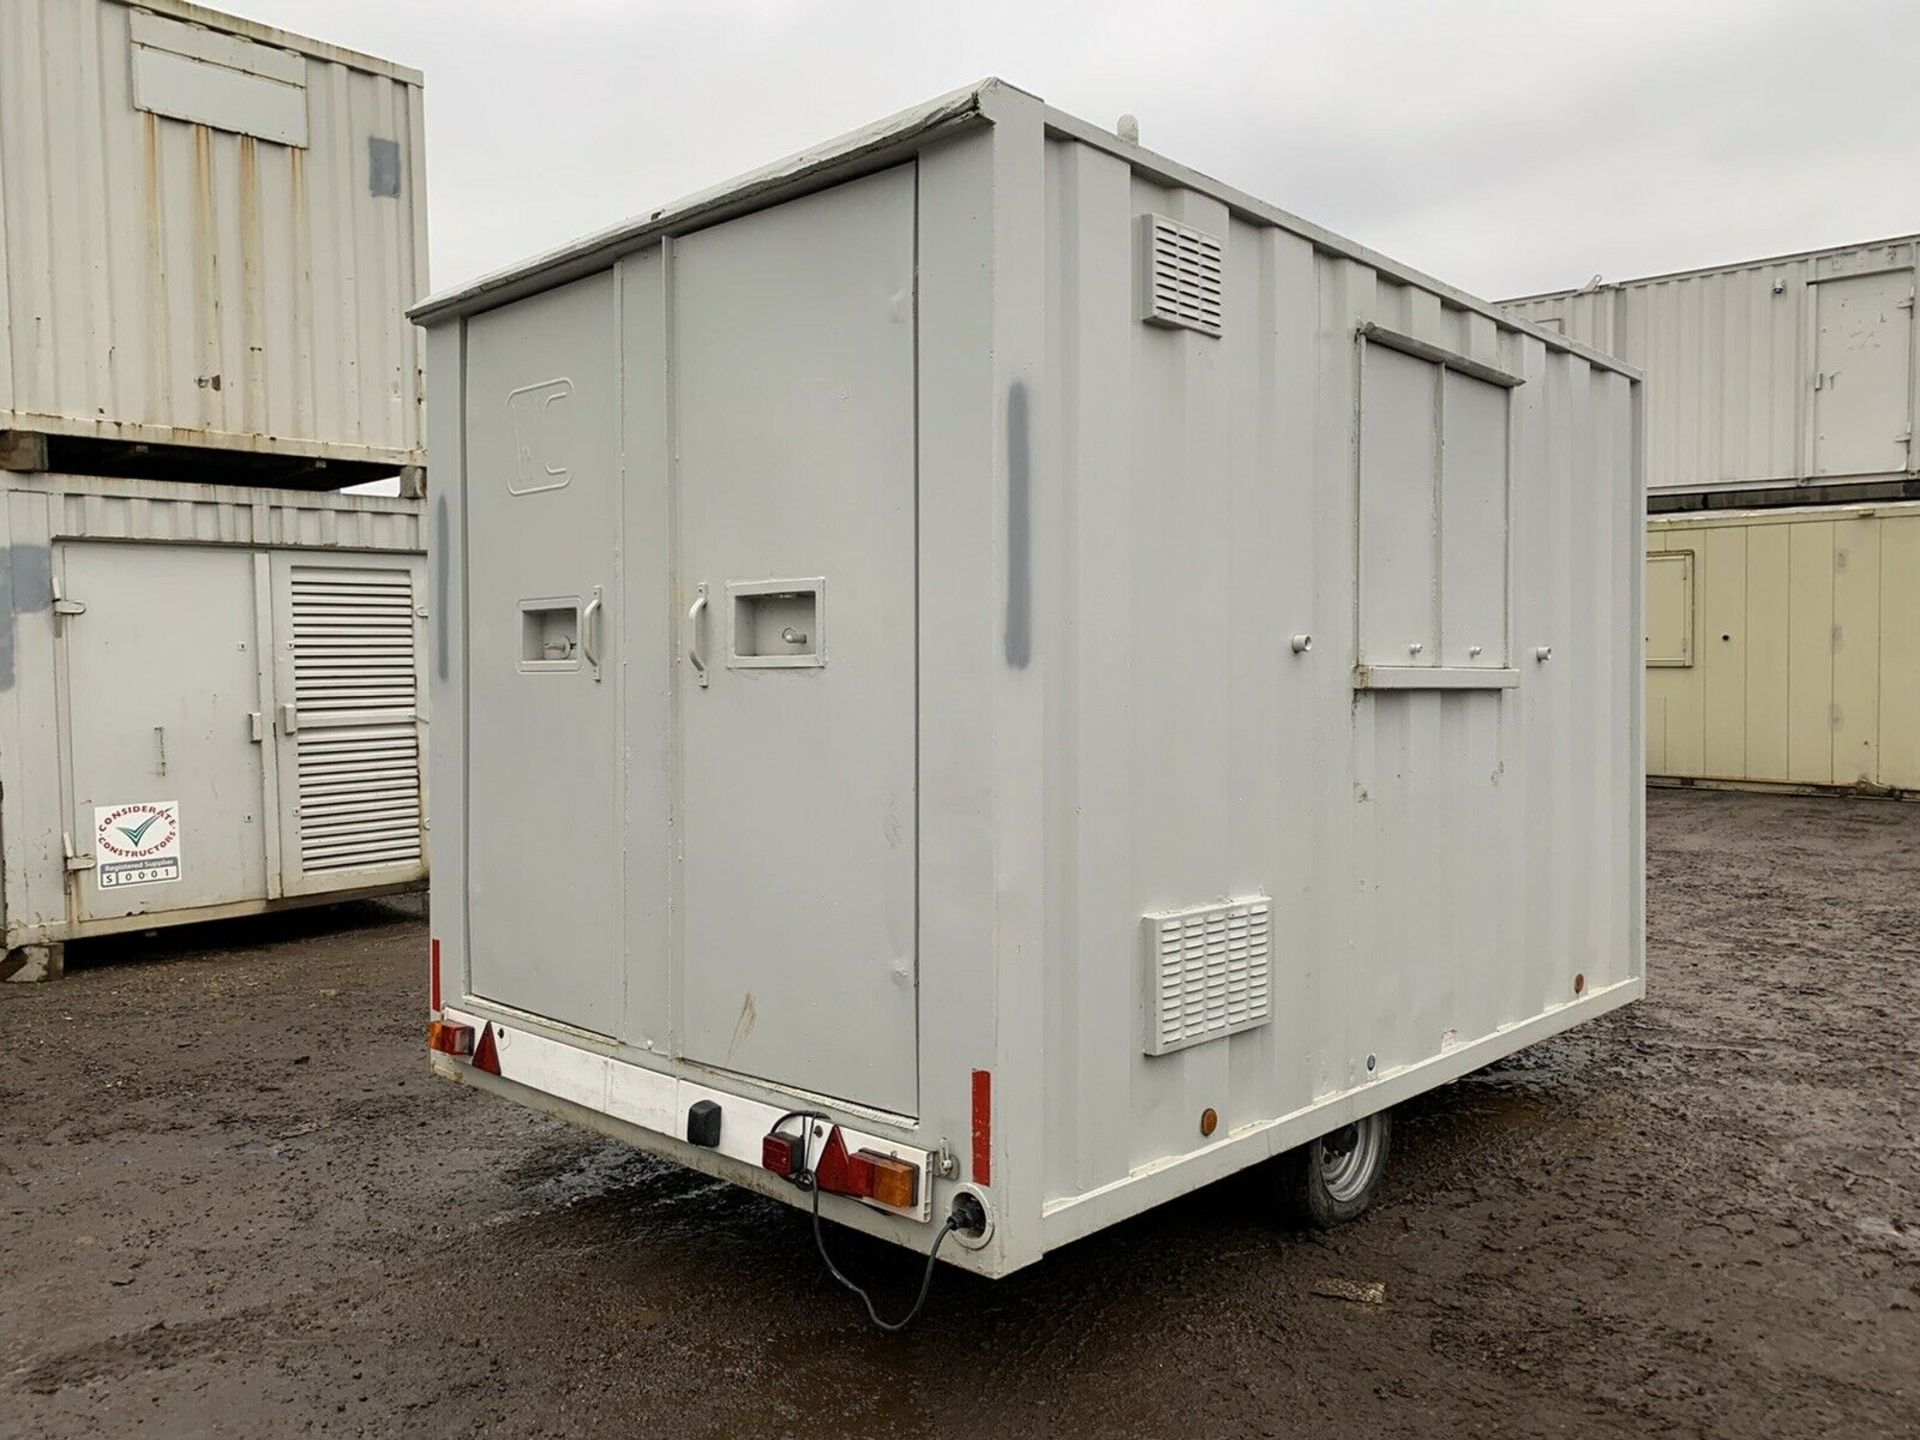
x: 39, y: 514
x: 1804, y: 666
x: 223, y: 515
x: 1442, y: 863
x: 180, y: 283
x: 1734, y: 369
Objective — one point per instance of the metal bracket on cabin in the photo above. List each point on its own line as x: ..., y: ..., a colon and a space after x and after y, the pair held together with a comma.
x: 74, y: 862
x: 64, y: 606
x: 945, y: 1163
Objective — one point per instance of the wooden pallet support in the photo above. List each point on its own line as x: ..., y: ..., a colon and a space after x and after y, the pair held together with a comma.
x: 22, y: 450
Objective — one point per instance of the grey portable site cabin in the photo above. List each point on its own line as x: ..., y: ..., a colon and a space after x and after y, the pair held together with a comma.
x: 1083, y: 680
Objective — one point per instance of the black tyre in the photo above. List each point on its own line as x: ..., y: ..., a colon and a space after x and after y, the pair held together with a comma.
x: 1330, y: 1181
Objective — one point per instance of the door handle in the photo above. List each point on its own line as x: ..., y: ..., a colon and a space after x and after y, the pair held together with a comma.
x: 590, y: 633
x: 694, y: 612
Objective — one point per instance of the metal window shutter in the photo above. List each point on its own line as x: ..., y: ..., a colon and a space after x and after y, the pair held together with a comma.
x: 355, y: 687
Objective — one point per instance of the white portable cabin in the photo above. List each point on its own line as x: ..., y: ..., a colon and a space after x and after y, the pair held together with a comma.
x: 212, y: 703
x: 1076, y: 676
x: 1785, y: 380
x: 210, y: 230
x: 1781, y: 647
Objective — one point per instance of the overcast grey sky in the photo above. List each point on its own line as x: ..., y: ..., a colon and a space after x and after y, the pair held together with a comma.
x: 1506, y: 146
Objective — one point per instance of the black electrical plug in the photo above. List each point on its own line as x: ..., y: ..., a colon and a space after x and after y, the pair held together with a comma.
x: 968, y: 1215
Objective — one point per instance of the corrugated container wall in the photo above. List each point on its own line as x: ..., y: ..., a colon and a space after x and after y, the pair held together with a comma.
x: 211, y: 233
x: 1798, y: 370
x: 1783, y: 647
x: 1191, y: 753
x: 242, y: 666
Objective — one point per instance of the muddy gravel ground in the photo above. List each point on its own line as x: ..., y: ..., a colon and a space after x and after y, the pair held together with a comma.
x: 233, y: 1202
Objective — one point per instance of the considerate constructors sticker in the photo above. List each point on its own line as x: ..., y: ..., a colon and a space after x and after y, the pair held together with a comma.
x: 137, y: 844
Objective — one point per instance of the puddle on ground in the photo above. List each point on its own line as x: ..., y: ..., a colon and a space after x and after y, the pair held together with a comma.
x: 600, y: 1171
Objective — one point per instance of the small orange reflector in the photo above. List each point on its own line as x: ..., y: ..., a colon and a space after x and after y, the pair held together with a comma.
x: 450, y: 1037
x: 1209, y: 1121
x: 895, y: 1182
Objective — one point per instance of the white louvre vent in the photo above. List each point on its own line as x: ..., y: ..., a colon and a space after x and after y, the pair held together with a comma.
x: 1208, y: 973
x: 355, y: 690
x: 1182, y: 275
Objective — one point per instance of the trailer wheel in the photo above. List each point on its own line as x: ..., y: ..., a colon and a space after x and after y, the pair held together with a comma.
x: 1329, y: 1181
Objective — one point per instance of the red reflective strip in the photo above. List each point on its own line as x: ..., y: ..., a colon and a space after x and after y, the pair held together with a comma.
x: 433, y: 969
x: 983, y: 1127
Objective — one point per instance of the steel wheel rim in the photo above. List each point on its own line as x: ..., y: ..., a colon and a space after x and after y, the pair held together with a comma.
x: 1348, y: 1158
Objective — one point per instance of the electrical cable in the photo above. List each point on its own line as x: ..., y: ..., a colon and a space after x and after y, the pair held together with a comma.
x: 926, y: 1278
x: 804, y: 1178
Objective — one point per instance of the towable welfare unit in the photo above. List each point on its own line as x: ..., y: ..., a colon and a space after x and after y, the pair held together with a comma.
x: 978, y: 662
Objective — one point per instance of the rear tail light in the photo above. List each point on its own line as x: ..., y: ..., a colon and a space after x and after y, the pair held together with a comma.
x: 862, y: 1174
x: 450, y: 1038
x: 894, y: 1182
x: 777, y: 1155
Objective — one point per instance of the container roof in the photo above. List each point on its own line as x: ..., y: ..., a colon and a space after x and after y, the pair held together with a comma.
x: 808, y: 168
x: 272, y: 35
x: 1764, y: 262
x: 595, y: 251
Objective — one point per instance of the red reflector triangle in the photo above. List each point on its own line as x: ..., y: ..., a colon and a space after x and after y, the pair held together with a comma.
x: 486, y: 1055
x: 839, y: 1173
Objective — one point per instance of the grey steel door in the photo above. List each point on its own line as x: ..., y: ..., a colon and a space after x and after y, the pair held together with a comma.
x: 793, y: 355
x: 1862, y: 375
x: 346, y: 716
x: 164, y: 696
x: 543, y: 774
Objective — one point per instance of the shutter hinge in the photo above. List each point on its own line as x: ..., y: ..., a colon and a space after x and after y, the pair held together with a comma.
x: 1906, y: 304
x: 64, y: 606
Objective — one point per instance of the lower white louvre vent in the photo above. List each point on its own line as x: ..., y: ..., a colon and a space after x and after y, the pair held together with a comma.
x: 355, y: 690
x: 1208, y: 972
x: 1182, y: 275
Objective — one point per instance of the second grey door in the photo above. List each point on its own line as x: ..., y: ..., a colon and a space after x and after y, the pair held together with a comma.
x: 793, y: 353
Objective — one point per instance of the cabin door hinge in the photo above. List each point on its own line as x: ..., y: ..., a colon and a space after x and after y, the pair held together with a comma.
x: 64, y: 606
x: 74, y: 862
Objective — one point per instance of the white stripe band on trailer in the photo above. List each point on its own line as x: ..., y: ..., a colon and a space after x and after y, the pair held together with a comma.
x: 659, y: 1102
